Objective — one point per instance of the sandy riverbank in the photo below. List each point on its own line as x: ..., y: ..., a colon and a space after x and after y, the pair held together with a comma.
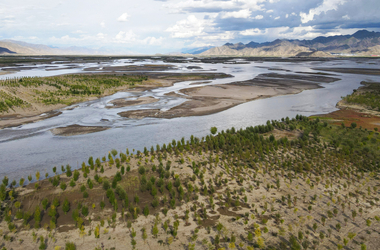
x: 122, y: 102
x: 207, y: 100
x: 36, y: 111
x: 76, y: 130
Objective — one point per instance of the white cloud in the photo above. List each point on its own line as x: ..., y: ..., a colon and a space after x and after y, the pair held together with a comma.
x: 302, y: 32
x: 259, y: 17
x: 324, y: 7
x: 346, y: 17
x: 269, y: 11
x: 100, y: 35
x: 126, y: 37
x: 153, y: 41
x: 277, y: 18
x: 287, y: 15
x: 102, y: 24
x: 214, y: 5
x: 237, y: 14
x: 252, y: 32
x: 201, y: 44
x: 227, y: 35
x: 78, y: 32
x: 190, y: 27
x: 124, y: 17
x: 129, y: 37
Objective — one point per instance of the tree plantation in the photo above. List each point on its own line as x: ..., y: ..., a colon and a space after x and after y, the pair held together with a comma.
x: 291, y: 184
x: 66, y: 89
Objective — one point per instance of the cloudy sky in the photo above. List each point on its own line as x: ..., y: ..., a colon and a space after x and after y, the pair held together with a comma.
x: 148, y: 26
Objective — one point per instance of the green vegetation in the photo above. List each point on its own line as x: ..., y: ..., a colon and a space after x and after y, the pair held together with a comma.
x: 246, y: 189
x: 8, y: 101
x: 368, y: 96
x: 65, y: 89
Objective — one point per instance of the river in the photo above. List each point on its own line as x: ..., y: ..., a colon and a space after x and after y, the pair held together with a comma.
x: 32, y: 147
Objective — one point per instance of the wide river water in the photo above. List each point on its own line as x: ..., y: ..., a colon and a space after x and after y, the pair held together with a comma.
x: 32, y: 147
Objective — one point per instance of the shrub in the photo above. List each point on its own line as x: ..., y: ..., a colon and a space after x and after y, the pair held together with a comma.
x: 106, y: 185
x: 142, y: 170
x: 56, y: 202
x: 76, y: 175
x: 70, y: 246
x: 85, y: 210
x: 213, y: 130
x: 146, y: 211
x: 45, y: 203
x: 66, y: 206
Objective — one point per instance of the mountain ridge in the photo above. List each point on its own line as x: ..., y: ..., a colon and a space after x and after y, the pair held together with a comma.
x: 361, y: 43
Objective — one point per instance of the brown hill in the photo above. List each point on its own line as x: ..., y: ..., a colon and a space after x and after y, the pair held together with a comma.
x: 283, y: 48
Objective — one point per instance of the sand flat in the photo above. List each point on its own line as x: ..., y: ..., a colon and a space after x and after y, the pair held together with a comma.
x: 76, y: 130
x: 211, y: 99
x: 122, y: 102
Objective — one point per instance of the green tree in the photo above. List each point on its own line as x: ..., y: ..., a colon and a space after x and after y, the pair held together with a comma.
x: 144, y: 234
x: 321, y: 235
x: 294, y: 245
x: 66, y: 206
x: 146, y: 211
x: 351, y: 235
x: 338, y: 227
x: 250, y: 237
x: 155, y: 230
x: 5, y: 181
x: 22, y: 180
x: 315, y: 226
x: 37, y: 217
x: 354, y: 214
x: 45, y: 203
x: 368, y: 222
x: 213, y: 130
x: 42, y: 243
x: 70, y: 246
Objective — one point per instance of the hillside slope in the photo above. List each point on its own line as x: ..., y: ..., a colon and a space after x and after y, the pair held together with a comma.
x: 361, y: 43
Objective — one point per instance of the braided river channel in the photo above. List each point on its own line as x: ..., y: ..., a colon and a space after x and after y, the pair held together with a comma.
x: 32, y: 147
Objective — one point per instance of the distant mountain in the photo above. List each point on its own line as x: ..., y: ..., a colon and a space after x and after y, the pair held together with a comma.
x: 361, y: 43
x: 23, y: 48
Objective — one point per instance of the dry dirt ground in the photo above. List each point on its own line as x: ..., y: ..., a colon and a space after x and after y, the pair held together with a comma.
x: 261, y: 199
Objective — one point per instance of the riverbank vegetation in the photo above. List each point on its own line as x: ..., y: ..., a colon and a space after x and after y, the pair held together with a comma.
x: 289, y: 184
x: 67, y: 89
x: 367, y: 96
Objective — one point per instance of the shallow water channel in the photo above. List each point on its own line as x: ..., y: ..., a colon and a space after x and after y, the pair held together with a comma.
x: 31, y: 147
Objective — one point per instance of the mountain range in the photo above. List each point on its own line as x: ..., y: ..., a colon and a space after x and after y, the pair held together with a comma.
x: 12, y: 47
x: 361, y: 43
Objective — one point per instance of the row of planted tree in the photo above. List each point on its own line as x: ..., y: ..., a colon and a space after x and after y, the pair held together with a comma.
x: 300, y: 189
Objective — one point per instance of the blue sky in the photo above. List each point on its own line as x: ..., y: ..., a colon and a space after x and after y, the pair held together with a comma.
x: 148, y: 26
